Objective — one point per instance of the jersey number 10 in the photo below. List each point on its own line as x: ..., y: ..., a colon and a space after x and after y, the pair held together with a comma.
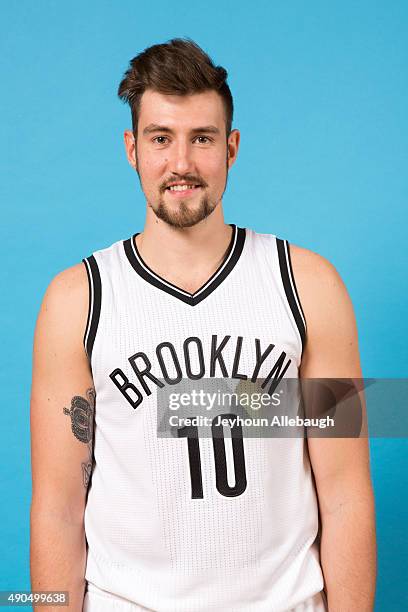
x: 191, y: 433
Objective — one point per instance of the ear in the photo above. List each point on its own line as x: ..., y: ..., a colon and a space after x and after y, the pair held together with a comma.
x: 130, y: 146
x: 232, y: 147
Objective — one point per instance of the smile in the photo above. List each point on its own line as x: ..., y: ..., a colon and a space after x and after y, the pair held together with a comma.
x: 182, y: 191
x: 182, y: 187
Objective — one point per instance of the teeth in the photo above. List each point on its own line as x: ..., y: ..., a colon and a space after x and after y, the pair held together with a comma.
x: 181, y: 187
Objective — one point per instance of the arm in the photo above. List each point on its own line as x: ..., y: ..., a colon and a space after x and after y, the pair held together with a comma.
x: 61, y: 460
x: 340, y: 465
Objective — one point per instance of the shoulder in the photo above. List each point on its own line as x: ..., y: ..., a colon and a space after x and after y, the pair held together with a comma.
x: 64, y: 308
x: 332, y: 339
x: 322, y: 292
x: 307, y: 263
x: 317, y: 278
x: 68, y: 286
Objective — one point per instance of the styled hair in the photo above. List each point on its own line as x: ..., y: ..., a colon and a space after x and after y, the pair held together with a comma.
x: 178, y: 67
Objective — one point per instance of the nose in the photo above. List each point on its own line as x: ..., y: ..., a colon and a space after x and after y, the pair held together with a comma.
x: 181, y: 160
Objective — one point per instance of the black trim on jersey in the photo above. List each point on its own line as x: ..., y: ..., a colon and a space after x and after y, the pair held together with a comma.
x: 94, y: 306
x: 289, y: 284
x: 230, y: 260
x: 294, y: 284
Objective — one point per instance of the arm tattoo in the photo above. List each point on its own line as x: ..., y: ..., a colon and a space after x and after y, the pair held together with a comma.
x: 82, y: 424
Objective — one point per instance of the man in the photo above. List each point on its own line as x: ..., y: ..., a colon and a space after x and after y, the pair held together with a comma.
x: 205, y: 523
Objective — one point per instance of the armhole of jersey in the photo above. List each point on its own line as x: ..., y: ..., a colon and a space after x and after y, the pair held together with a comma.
x: 289, y: 285
x: 94, y: 305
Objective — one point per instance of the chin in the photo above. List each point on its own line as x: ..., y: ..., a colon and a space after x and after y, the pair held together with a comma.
x: 183, y: 215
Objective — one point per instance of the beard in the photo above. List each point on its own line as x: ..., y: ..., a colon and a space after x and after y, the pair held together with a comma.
x: 184, y: 214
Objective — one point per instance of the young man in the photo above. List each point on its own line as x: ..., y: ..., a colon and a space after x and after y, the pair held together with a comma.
x: 135, y: 521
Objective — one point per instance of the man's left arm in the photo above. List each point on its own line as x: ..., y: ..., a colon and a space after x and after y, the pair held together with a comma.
x: 340, y: 465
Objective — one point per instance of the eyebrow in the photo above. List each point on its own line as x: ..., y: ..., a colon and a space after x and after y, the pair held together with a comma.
x: 153, y: 127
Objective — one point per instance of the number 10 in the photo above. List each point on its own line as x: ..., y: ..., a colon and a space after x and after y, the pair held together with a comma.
x: 191, y: 433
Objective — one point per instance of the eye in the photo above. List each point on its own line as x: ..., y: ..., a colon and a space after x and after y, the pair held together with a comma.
x: 160, y: 139
x: 204, y: 139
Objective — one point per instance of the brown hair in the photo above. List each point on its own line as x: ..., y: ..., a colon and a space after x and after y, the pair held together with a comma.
x: 178, y: 67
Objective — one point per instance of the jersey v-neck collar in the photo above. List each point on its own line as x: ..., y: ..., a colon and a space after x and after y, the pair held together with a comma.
x: 230, y: 260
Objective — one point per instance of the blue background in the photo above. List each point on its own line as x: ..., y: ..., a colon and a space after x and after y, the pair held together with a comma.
x: 321, y: 97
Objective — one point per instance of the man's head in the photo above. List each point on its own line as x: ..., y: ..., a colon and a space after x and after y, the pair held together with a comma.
x: 182, y: 112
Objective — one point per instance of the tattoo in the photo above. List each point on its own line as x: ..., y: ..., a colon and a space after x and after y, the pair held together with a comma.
x: 82, y: 424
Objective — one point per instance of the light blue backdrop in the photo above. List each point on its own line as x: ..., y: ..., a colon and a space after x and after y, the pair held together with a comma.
x: 321, y: 100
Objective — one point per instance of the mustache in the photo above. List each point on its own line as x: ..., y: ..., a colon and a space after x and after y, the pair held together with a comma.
x: 187, y: 178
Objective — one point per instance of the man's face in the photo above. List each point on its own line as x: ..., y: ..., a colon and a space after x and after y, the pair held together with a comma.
x: 182, y: 154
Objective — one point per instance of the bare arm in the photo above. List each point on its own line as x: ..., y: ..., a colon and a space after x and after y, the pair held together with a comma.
x: 62, y: 408
x: 340, y: 465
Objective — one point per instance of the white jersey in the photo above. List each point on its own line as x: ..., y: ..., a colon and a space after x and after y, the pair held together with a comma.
x: 195, y: 523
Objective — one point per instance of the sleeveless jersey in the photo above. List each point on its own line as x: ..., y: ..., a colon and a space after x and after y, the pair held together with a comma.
x: 168, y: 528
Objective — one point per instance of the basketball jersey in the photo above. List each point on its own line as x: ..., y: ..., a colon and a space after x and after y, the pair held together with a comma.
x: 168, y: 526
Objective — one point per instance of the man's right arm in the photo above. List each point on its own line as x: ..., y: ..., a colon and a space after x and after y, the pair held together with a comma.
x: 62, y: 410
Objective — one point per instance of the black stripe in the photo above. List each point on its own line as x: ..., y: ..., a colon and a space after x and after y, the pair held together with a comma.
x: 89, y: 302
x: 212, y: 283
x: 294, y: 283
x: 288, y: 289
x: 93, y: 317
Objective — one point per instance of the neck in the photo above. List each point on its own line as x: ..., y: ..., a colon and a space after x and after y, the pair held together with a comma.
x: 186, y: 257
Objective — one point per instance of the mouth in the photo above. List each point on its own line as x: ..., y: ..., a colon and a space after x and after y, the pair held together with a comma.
x: 182, y: 189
